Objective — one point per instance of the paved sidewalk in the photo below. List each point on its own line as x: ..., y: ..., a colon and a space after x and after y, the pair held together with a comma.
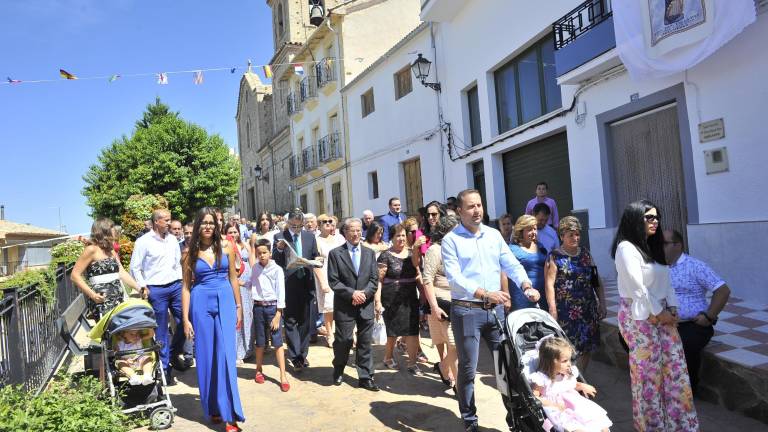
x: 405, y: 403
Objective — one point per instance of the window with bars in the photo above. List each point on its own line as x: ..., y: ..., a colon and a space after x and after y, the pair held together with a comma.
x: 366, y: 102
x: 373, y: 185
x: 403, y: 84
x: 336, y: 198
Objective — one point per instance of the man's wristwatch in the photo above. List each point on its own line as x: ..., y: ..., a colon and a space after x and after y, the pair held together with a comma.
x: 709, y: 318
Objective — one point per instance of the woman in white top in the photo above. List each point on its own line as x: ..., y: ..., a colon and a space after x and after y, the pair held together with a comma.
x: 661, y: 391
x: 326, y: 241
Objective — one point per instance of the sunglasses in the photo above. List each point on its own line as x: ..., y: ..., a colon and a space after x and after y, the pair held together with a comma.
x: 652, y: 218
x: 326, y: 221
x: 433, y: 214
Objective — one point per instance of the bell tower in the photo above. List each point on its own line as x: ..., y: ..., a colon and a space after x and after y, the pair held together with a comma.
x: 294, y: 20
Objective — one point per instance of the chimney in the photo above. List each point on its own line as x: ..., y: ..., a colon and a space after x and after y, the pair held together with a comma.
x: 2, y: 212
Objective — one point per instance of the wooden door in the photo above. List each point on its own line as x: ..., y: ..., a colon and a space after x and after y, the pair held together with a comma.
x: 413, y: 193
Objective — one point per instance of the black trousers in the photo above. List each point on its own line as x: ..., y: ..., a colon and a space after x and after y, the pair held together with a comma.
x: 694, y: 338
x: 342, y: 343
x: 297, y: 327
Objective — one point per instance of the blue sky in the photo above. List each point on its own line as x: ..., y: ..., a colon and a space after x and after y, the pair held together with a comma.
x: 50, y: 133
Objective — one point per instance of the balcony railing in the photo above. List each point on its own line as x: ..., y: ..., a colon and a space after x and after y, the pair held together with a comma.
x: 325, y: 71
x: 309, y: 158
x: 294, y: 164
x: 329, y: 147
x: 292, y: 103
x: 580, y: 20
x: 308, y: 88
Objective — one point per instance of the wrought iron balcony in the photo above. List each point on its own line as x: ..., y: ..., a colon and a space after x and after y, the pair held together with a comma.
x: 294, y: 164
x: 308, y: 88
x: 309, y: 158
x: 329, y: 147
x: 582, y: 35
x: 292, y: 103
x: 325, y: 71
x: 577, y: 22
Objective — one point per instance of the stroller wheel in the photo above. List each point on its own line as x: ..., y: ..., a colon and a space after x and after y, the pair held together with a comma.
x: 161, y: 418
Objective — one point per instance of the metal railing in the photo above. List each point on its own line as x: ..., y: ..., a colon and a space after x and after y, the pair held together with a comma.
x: 325, y: 71
x: 30, y: 346
x: 309, y: 158
x: 329, y: 147
x: 292, y: 103
x: 308, y: 88
x: 294, y: 164
x: 580, y: 20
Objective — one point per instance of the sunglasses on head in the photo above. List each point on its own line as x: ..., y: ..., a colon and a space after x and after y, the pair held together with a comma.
x: 652, y: 218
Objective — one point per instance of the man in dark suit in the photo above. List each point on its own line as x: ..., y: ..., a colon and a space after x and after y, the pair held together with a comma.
x: 354, y: 278
x: 299, y: 287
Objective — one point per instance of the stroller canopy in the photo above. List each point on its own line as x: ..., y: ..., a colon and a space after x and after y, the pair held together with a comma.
x: 527, y: 326
x: 131, y: 314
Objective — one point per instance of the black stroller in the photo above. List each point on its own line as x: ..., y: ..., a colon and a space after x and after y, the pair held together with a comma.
x: 516, y: 359
x: 150, y: 396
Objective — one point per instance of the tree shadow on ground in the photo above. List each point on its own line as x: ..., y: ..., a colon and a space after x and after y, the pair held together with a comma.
x: 409, y: 416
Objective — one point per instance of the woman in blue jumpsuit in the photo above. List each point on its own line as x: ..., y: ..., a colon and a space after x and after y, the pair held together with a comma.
x: 211, y: 298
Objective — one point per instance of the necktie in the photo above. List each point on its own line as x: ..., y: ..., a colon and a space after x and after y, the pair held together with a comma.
x: 297, y: 244
x: 356, y: 259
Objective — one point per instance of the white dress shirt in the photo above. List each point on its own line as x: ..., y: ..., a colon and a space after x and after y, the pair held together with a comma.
x: 268, y: 283
x: 156, y: 260
x: 647, y: 284
x: 473, y: 261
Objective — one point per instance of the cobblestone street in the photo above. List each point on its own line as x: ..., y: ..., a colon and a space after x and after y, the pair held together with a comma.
x: 405, y: 403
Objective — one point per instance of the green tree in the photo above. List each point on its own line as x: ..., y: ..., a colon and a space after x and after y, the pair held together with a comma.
x: 165, y: 156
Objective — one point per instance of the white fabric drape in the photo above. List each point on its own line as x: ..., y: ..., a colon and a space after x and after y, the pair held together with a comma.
x: 656, y: 38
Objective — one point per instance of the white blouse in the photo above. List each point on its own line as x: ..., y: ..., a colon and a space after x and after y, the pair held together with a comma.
x: 647, y: 284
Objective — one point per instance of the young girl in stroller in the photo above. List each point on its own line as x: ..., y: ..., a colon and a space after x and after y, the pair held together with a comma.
x: 130, y: 364
x: 555, y: 385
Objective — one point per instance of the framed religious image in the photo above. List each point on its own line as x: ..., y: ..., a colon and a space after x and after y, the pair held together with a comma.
x: 669, y: 17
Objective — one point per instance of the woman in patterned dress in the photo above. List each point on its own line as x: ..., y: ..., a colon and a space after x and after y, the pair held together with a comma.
x: 574, y: 300
x: 101, y: 265
x: 661, y: 391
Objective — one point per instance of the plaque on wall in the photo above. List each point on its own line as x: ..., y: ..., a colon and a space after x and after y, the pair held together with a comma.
x: 712, y: 130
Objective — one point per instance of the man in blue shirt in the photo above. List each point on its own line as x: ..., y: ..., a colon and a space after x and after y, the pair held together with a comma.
x: 474, y: 256
x: 394, y: 217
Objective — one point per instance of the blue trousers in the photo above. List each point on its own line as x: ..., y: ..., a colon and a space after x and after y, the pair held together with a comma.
x: 469, y: 325
x: 162, y: 298
x: 214, y: 317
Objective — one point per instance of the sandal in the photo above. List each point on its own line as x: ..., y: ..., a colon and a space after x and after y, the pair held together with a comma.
x: 391, y: 364
x: 415, y: 370
x: 284, y: 387
x: 259, y: 378
x: 232, y: 428
x: 439, y: 370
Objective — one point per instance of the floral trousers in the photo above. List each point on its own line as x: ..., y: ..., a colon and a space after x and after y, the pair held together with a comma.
x: 661, y: 390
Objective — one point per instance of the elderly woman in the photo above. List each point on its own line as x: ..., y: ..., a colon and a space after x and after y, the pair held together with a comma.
x: 326, y: 241
x: 438, y: 294
x: 526, y: 248
x: 398, y: 299
x: 575, y: 295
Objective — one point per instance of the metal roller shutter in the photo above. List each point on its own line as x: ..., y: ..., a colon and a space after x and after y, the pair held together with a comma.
x: 545, y: 160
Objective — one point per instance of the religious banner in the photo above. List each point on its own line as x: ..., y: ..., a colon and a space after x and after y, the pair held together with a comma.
x: 656, y: 38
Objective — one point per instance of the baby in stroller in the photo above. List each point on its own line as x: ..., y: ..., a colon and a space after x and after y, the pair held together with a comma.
x: 129, y: 364
x: 555, y: 384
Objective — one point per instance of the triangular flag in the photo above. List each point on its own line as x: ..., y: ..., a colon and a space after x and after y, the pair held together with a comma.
x: 13, y: 81
x: 267, y: 71
x: 162, y: 78
x: 299, y: 69
x: 198, y: 77
x: 114, y: 78
x: 66, y: 75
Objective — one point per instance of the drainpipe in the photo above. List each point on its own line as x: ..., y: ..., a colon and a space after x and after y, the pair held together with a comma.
x: 439, y: 110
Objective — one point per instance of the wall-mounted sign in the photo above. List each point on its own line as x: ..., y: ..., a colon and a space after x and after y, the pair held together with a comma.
x: 712, y: 130
x: 716, y: 160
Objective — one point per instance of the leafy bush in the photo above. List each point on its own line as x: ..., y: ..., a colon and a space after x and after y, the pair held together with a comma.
x: 66, y: 253
x: 69, y: 405
x: 44, y: 279
x: 126, y: 249
x: 139, y: 208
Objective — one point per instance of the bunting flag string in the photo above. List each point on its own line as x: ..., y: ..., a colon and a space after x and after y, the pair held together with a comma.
x: 162, y: 77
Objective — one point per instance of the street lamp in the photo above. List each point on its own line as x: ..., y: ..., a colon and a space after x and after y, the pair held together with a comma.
x: 257, y: 172
x: 420, y: 68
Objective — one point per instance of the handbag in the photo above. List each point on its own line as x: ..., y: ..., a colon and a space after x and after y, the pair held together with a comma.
x: 445, y: 305
x: 379, y: 335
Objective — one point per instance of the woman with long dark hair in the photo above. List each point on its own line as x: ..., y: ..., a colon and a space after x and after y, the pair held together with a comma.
x: 373, y: 238
x: 212, y: 312
x: 661, y: 390
x: 101, y: 265
x: 264, y: 230
x: 423, y: 236
x: 244, y: 340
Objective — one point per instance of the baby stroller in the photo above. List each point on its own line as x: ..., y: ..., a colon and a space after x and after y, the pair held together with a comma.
x: 148, y: 397
x: 516, y: 359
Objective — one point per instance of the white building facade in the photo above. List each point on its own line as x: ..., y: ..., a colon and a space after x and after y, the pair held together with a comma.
x: 395, y: 149
x: 522, y: 111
